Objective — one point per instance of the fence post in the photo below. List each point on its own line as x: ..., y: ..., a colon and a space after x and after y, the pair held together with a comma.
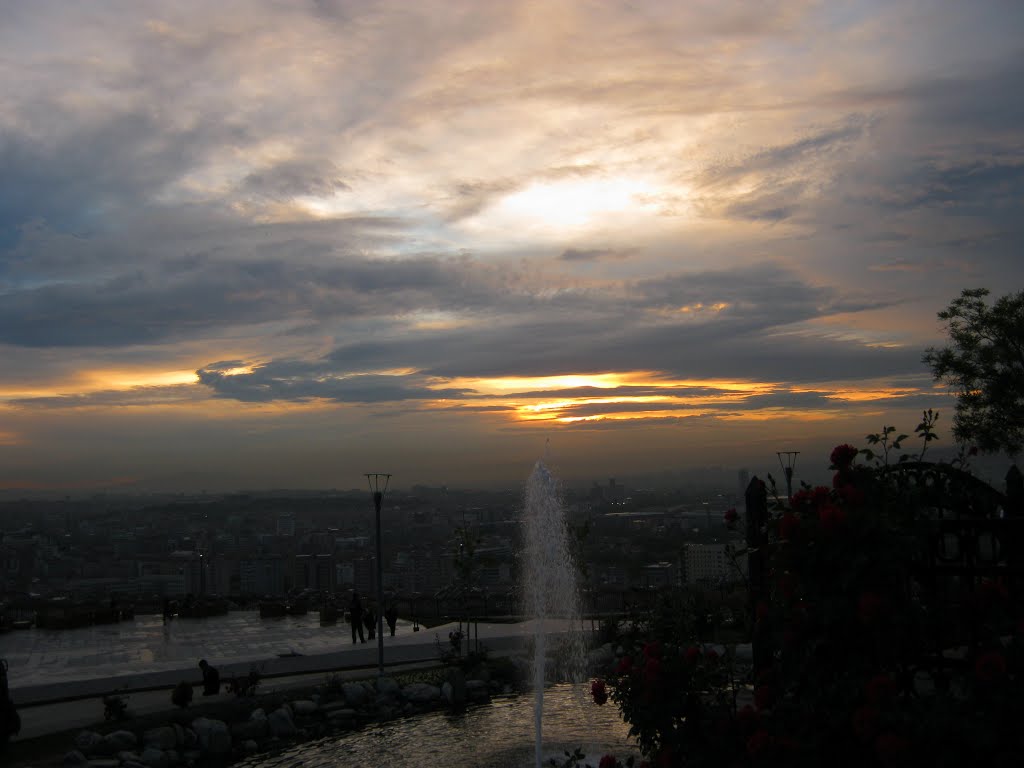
x: 756, y: 500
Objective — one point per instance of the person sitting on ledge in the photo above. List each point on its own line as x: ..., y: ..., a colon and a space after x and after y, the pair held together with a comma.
x: 211, y: 678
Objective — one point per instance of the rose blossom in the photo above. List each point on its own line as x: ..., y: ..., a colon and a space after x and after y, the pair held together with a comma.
x: 843, y: 456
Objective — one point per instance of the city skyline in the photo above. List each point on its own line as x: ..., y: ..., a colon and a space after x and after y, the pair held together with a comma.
x: 267, y: 245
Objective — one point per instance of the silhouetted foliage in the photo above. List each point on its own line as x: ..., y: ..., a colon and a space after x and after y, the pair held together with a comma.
x: 984, y: 364
x: 892, y: 620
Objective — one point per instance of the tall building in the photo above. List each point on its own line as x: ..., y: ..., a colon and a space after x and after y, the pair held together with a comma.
x: 286, y: 524
x: 711, y: 563
x: 262, y: 575
x: 316, y: 572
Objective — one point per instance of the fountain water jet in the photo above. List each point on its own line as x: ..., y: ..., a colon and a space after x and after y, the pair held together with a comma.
x: 550, y: 590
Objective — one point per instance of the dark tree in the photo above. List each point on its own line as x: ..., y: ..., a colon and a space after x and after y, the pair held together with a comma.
x: 984, y: 365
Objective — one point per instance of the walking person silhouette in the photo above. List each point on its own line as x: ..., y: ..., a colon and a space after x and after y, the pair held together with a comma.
x: 355, y: 614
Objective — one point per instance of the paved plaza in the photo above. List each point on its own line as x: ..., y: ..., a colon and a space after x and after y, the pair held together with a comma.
x: 50, y: 665
x: 146, y: 644
x: 58, y: 677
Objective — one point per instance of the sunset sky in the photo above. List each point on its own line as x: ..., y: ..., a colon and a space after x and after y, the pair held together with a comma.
x: 283, y: 243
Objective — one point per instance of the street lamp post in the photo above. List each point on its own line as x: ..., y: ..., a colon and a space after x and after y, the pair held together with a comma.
x: 787, y: 468
x: 378, y: 487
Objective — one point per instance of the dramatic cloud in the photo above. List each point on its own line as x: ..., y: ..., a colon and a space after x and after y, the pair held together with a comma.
x: 232, y: 232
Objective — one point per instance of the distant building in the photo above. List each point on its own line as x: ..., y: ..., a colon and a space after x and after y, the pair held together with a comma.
x: 711, y: 563
x: 18, y: 562
x: 315, y: 572
x: 616, y: 493
x: 658, y: 575
x: 190, y: 565
x: 263, y: 575
x: 364, y: 575
x: 286, y: 525
x: 344, y: 574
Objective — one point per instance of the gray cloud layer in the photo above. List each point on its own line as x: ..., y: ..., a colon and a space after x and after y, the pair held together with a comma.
x: 317, y: 190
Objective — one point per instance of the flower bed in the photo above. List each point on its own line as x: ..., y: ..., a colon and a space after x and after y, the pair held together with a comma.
x: 863, y: 659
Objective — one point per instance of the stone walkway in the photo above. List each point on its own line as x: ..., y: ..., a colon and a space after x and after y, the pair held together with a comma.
x: 147, y: 644
x: 55, y: 693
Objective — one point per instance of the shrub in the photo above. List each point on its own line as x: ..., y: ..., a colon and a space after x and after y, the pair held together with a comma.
x: 857, y: 641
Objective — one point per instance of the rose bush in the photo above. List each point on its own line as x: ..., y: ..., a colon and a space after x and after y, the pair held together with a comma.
x: 869, y: 663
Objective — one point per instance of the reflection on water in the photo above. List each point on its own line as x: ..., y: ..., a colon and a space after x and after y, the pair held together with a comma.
x: 498, y: 735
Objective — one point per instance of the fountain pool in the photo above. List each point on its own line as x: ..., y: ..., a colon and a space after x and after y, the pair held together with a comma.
x: 495, y: 735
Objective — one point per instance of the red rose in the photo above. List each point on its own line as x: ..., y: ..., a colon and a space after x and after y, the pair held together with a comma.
x: 849, y: 493
x: 789, y: 524
x: 831, y: 516
x: 711, y: 655
x: 608, y: 761
x: 843, y: 456
x: 800, y: 499
x: 865, y: 722
x: 731, y: 517
x: 973, y: 451
x: 652, y: 650
x: 821, y: 495
x: 597, y: 690
x: 990, y: 666
x: 764, y: 696
x: 625, y: 665
x: 892, y: 750
x: 879, y: 689
x: 692, y: 654
x: 869, y: 607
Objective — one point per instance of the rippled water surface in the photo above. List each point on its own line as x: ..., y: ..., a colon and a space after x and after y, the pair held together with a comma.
x: 499, y: 734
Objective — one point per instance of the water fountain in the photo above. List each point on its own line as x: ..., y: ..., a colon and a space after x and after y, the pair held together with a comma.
x: 549, y: 587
